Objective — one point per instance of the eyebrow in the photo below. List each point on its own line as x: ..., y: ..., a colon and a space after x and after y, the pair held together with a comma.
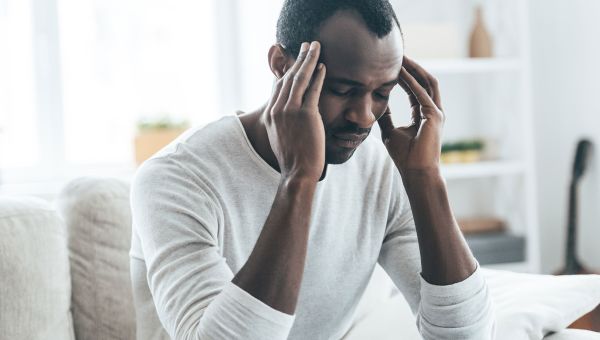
x: 357, y: 83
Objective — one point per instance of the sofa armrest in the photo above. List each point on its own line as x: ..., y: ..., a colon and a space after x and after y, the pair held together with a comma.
x: 35, y: 285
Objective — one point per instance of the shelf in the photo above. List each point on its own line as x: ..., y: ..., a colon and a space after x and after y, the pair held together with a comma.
x: 481, y: 169
x: 497, y: 248
x: 467, y: 65
x: 519, y: 267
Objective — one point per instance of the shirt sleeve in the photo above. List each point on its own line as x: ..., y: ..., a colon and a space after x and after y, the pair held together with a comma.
x: 462, y: 310
x: 177, y: 220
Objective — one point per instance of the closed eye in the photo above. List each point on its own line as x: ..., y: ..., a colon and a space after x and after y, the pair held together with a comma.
x: 382, y: 96
x: 384, y: 92
x: 379, y: 95
x: 340, y: 93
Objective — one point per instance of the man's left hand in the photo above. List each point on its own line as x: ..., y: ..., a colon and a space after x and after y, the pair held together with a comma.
x: 417, y: 147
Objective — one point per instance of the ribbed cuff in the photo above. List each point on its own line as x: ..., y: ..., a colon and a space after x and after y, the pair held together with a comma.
x: 456, y: 291
x: 237, y: 295
x: 234, y: 314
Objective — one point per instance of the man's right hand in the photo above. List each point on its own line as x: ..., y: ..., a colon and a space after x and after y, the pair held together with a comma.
x: 294, y: 126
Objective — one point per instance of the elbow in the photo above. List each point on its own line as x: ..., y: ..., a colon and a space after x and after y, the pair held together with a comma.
x: 477, y: 322
x: 189, y: 328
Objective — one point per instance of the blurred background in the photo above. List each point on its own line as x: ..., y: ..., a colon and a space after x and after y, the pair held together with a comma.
x: 93, y: 87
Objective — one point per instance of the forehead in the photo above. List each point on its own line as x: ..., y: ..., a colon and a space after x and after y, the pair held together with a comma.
x: 351, y: 51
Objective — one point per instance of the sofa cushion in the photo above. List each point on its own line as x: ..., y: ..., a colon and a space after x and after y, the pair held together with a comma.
x: 35, y: 287
x: 98, y: 220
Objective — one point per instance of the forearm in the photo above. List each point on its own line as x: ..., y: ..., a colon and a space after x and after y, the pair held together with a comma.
x: 445, y: 256
x: 273, y: 272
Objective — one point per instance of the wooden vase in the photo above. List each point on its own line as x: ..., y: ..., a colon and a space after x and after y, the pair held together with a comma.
x: 480, y: 42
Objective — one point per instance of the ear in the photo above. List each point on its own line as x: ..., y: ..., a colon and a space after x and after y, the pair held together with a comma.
x: 279, y: 60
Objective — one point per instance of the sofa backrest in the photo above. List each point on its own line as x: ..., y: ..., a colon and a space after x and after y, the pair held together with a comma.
x: 98, y: 218
x: 35, y: 287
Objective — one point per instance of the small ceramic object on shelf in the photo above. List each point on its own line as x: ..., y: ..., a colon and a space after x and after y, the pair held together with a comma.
x: 480, y: 42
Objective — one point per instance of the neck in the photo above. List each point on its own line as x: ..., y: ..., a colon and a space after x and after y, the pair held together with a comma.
x: 254, y: 125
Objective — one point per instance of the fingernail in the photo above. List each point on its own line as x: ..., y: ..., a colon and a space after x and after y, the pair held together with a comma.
x: 320, y: 67
x: 313, y: 45
x: 304, y: 47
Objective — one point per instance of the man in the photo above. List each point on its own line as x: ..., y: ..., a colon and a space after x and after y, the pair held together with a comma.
x: 268, y: 225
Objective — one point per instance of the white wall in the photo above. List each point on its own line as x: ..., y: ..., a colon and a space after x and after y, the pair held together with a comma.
x: 566, y: 101
x: 566, y: 71
x: 257, y: 27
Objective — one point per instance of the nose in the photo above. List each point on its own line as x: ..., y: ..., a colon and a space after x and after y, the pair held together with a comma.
x: 360, y: 112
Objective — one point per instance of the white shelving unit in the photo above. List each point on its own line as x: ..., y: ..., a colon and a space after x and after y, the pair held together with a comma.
x: 490, y: 99
x: 482, y: 169
x: 466, y: 65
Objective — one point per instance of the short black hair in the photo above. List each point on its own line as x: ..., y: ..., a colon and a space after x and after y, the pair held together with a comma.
x: 300, y: 20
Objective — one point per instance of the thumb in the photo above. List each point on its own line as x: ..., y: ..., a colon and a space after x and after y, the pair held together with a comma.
x: 430, y: 134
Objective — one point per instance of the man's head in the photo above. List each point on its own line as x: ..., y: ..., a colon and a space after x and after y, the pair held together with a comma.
x: 361, y: 45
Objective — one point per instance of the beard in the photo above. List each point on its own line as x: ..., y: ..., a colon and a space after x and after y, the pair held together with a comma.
x: 335, y: 154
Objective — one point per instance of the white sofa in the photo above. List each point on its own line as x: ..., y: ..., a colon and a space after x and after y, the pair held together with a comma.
x: 64, y: 267
x: 64, y: 272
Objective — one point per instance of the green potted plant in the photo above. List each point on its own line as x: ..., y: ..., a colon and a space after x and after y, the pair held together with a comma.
x: 463, y: 151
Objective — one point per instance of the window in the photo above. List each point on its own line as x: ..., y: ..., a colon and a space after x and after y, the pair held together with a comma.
x: 255, y: 38
x: 123, y: 60
x: 76, y: 76
x: 18, y: 123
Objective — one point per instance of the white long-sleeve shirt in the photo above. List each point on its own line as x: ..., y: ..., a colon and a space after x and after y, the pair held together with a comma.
x: 199, y: 206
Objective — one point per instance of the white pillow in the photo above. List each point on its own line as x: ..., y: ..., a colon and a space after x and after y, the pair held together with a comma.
x: 531, y: 306
x: 388, y: 320
x: 574, y: 334
x: 98, y: 219
x: 528, y: 307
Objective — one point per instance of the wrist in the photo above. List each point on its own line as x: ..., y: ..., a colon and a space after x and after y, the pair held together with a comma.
x: 422, y: 179
x: 300, y: 175
x: 298, y: 183
x: 431, y: 174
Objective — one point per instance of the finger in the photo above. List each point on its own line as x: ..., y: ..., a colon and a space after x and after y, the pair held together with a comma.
x: 411, y: 96
x: 275, y: 93
x: 304, y: 75
x: 415, y: 69
x: 314, y: 91
x: 304, y: 47
x: 415, y: 114
x: 420, y: 75
x: 288, y: 78
x: 386, y: 125
x: 421, y: 95
x: 425, y: 79
x: 428, y: 107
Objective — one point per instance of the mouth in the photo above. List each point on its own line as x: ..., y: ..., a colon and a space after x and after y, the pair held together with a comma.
x: 348, y: 140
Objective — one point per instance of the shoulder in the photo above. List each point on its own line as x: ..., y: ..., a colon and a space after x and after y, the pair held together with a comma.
x: 215, y: 135
x: 199, y: 151
x: 189, y: 161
